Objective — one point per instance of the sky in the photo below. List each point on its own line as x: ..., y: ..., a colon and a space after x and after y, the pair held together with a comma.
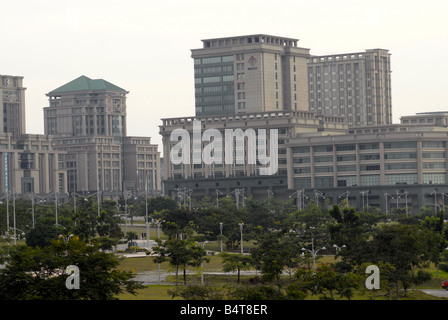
x: 144, y: 46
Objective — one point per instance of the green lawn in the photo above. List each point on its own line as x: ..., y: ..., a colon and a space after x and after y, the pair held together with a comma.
x: 159, y: 292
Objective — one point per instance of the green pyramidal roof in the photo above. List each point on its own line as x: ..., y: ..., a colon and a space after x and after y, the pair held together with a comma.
x: 84, y: 83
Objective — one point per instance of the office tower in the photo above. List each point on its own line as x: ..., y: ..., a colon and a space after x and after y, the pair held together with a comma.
x: 354, y: 85
x: 13, y: 105
x: 86, y: 108
x: 253, y: 73
x: 88, y: 120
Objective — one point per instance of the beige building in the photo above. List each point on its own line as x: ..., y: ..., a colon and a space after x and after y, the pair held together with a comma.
x: 87, y: 118
x: 31, y: 164
x: 391, y: 166
x: 247, y: 74
x: 13, y: 105
x: 353, y: 85
x: 204, y: 179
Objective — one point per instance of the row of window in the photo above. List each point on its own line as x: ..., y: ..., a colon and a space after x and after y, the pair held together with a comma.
x: 368, y: 180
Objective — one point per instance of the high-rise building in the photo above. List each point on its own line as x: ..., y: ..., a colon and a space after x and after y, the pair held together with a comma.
x: 13, y: 105
x: 253, y: 73
x: 86, y: 108
x: 87, y: 118
x: 353, y: 85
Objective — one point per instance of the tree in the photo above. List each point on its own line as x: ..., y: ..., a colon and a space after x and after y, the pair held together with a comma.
x: 235, y: 262
x: 41, y: 235
x: 39, y: 273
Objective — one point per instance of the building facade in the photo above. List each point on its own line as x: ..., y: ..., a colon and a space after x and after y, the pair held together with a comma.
x: 209, y: 179
x: 247, y: 74
x: 87, y: 118
x: 13, y: 105
x: 395, y: 166
x: 31, y: 165
x: 353, y: 85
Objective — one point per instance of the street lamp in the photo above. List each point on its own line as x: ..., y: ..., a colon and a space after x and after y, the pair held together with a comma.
x: 300, y: 195
x: 218, y: 193
x: 158, y: 223
x: 241, y: 231
x: 313, y: 254
x: 338, y: 249
x: 391, y: 197
x: 220, y: 229
x: 202, y: 262
x: 366, y: 194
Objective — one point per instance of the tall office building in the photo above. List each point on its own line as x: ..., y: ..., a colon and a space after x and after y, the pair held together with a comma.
x: 253, y: 73
x: 13, y: 105
x: 87, y: 118
x: 85, y: 108
x: 353, y: 85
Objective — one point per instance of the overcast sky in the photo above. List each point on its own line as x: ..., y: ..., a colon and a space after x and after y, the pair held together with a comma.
x: 144, y: 46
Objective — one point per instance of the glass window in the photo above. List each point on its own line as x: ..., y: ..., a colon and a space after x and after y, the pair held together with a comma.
x: 369, y: 156
x: 346, y: 158
x: 370, y: 180
x: 301, y: 149
x: 324, y: 182
x: 323, y: 159
x: 401, y: 166
x: 434, y: 165
x: 301, y: 160
x: 323, y: 169
x: 370, y: 167
x: 302, y: 170
x: 433, y: 178
x: 400, y: 155
x: 433, y: 144
x: 400, y: 144
x: 302, y: 183
x: 346, y: 168
x: 345, y: 147
x: 323, y: 149
x: 347, y: 181
x: 431, y: 155
x: 410, y: 178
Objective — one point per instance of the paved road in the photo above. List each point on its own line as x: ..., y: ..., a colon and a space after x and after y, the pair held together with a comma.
x: 442, y: 293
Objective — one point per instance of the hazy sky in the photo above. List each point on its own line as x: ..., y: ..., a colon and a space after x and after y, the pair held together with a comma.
x: 144, y: 46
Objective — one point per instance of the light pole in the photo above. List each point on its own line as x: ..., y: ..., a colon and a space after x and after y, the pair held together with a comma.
x: 218, y: 193
x: 220, y: 229
x: 158, y: 223
x: 392, y: 198
x: 241, y: 231
x: 313, y: 254
x: 345, y: 194
x: 366, y: 194
x: 300, y: 195
x: 338, y: 249
x: 318, y: 194
x: 202, y: 262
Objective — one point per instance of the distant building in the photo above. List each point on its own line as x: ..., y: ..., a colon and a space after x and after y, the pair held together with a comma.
x: 87, y: 119
x: 247, y: 74
x: 13, y: 105
x: 353, y: 85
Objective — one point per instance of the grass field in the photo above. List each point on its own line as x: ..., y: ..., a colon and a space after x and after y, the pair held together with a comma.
x: 159, y: 292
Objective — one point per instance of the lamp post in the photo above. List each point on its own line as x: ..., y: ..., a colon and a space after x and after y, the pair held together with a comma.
x: 241, y: 231
x: 220, y: 229
x: 366, y: 194
x: 218, y: 193
x: 318, y: 194
x: 313, y: 254
x: 158, y: 223
x: 392, y: 198
x: 338, y: 249
x: 202, y: 262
